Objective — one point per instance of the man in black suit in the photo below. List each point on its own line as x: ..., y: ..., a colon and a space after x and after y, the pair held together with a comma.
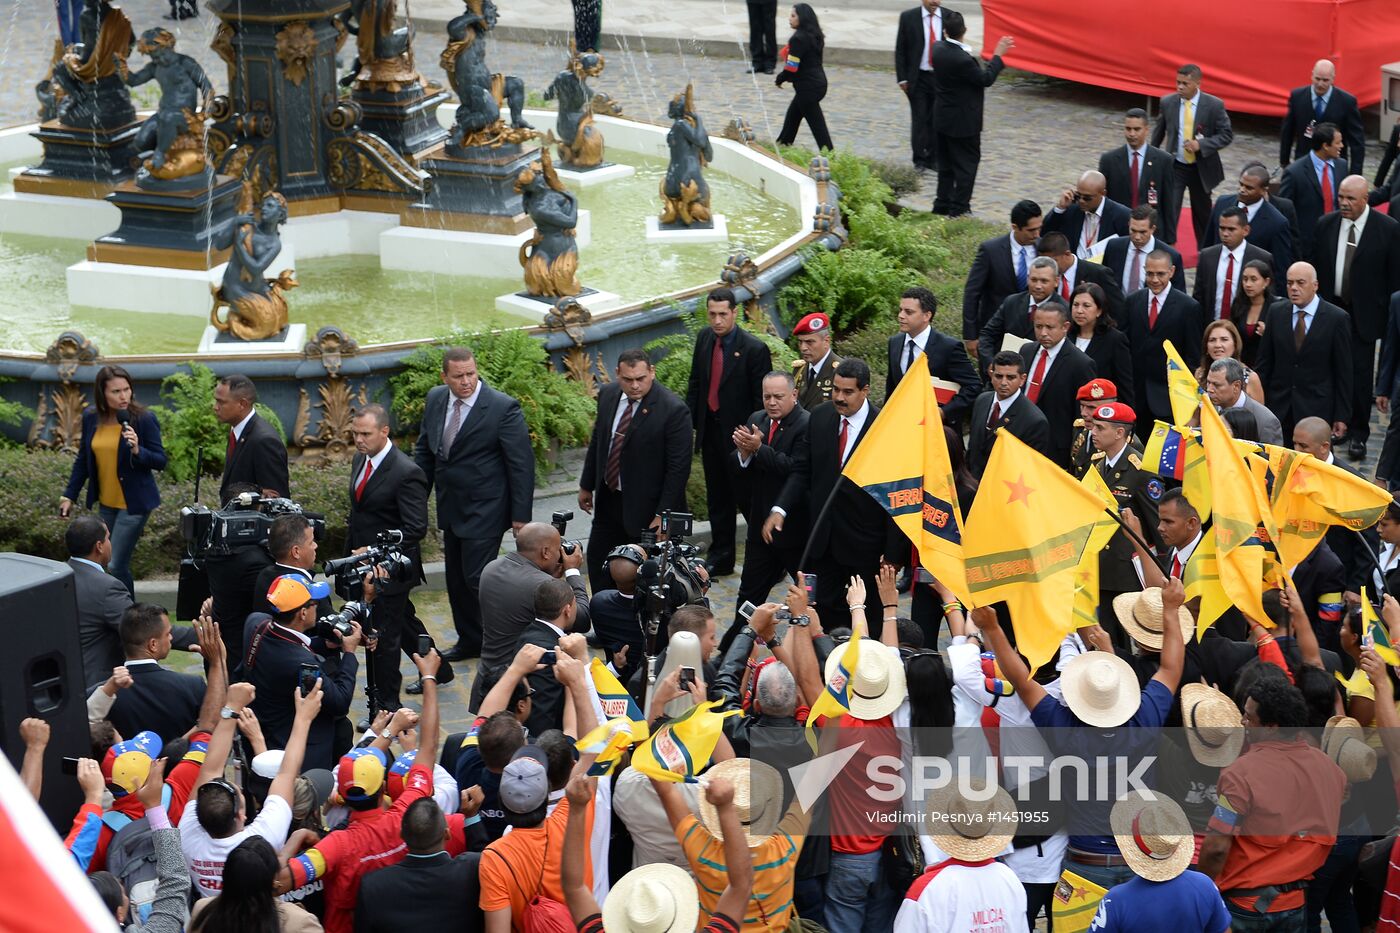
x: 1126, y: 257
x: 640, y: 443
x: 1357, y: 257
x: 291, y: 541
x: 554, y: 618
x: 1156, y: 314
x: 1314, y: 436
x: 1218, y: 267
x: 101, y: 597
x: 1193, y: 126
x: 763, y: 36
x: 1322, y: 102
x: 1000, y: 269
x: 428, y: 890
x: 1311, y: 182
x: 1086, y: 215
x: 1387, y: 387
x: 726, y: 385
x: 161, y: 700
x: 1014, y: 315
x: 1074, y: 272
x: 475, y: 452
x: 1056, y: 368
x: 947, y: 359
x: 1139, y: 175
x: 255, y: 453
x: 816, y: 364
x: 920, y: 29
x: 1305, y: 359
x: 857, y: 532
x: 1268, y: 228
x: 961, y: 82
x: 1004, y: 406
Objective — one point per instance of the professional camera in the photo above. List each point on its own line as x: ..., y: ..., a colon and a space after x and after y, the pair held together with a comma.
x: 386, y: 553
x: 560, y: 520
x: 669, y: 578
x: 245, y: 520
x: 338, y: 625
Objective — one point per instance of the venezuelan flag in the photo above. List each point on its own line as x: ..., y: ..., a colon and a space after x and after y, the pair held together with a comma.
x: 1165, y: 452
x: 1377, y: 633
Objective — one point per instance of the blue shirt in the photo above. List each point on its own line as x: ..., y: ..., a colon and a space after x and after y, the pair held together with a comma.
x: 1317, y: 165
x: 1189, y: 903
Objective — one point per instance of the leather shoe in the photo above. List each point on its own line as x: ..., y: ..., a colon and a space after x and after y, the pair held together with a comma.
x: 1356, y: 449
x: 459, y: 652
x: 715, y: 570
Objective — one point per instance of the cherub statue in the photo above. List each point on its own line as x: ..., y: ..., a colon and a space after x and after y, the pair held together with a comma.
x: 479, y: 91
x: 383, y: 49
x: 685, y: 196
x: 580, y: 142
x: 256, y: 306
x: 550, y: 258
x: 174, y: 135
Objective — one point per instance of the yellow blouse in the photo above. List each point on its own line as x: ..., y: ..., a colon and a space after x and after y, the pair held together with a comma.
x: 105, y: 442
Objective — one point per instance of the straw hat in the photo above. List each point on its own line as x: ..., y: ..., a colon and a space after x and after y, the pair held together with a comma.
x: 758, y: 798
x: 1153, y: 835
x: 1345, y: 743
x: 877, y: 683
x: 1141, y: 615
x: 1214, y: 732
x: 1101, y: 689
x: 654, y: 898
x: 971, y: 830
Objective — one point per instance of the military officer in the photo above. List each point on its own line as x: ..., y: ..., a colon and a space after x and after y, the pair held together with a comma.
x: 817, y: 367
x: 1118, y: 459
x: 1090, y: 396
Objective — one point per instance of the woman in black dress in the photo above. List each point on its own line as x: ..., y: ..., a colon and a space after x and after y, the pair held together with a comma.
x: 1095, y: 334
x: 802, y: 65
x: 1250, y: 302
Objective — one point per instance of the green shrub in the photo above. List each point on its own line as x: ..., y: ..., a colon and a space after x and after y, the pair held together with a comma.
x: 672, y: 354
x: 859, y: 183
x: 13, y: 414
x: 852, y: 286
x: 900, y: 176
x: 871, y: 344
x: 695, y: 492
x: 907, y: 242
x: 187, y: 422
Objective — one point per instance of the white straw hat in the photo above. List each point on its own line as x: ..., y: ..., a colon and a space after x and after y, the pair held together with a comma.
x: 654, y: 898
x: 967, y: 829
x: 1214, y: 731
x: 877, y: 683
x: 1153, y: 835
x: 1344, y: 741
x: 758, y: 798
x: 1141, y: 615
x: 1101, y: 689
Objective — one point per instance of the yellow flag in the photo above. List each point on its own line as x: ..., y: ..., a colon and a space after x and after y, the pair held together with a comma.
x: 615, y: 699
x: 1086, y: 575
x: 681, y: 748
x: 1240, y: 510
x: 1024, y: 539
x: 835, y: 699
x: 610, y: 740
x: 913, y: 481
x: 1375, y: 633
x: 1308, y: 496
x: 1201, y: 579
x: 1182, y: 388
x: 1075, y: 902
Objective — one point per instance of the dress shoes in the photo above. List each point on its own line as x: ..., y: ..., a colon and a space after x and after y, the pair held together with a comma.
x: 1356, y: 449
x: 459, y: 652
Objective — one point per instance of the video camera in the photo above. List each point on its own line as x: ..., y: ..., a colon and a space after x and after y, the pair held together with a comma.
x: 244, y: 520
x: 386, y: 553
x: 337, y: 625
x: 669, y: 578
x: 560, y: 520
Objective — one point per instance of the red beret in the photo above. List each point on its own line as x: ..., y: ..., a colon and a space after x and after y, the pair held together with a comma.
x: 814, y: 323
x: 1096, y: 390
x: 1115, y: 413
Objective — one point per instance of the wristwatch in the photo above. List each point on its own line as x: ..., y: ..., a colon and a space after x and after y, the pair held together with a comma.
x: 228, y: 712
x: 387, y: 734
x: 802, y: 621
x: 771, y: 645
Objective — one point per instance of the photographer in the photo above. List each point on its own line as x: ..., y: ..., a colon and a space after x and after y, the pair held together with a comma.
x: 292, y: 543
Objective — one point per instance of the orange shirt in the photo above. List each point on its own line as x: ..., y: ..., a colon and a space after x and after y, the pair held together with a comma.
x: 106, y: 443
x: 526, y: 862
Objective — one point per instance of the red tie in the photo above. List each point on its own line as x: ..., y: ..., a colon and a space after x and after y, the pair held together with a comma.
x: 996, y: 416
x: 1176, y: 567
x: 841, y: 442
x: 1030, y: 315
x: 1225, y: 290
x: 1064, y: 288
x: 716, y: 373
x: 772, y: 430
x: 232, y: 443
x: 1033, y: 391
x: 1326, y: 190
x: 1152, y: 314
x: 1135, y: 179
x: 932, y: 36
x: 360, y: 488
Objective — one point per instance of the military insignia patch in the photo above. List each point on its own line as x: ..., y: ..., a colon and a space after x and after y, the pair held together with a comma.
x: 1154, y: 489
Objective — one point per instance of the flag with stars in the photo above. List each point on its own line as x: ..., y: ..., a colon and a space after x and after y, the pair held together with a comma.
x: 1024, y: 540
x: 1376, y: 633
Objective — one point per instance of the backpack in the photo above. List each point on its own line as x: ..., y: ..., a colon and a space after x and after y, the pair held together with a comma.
x: 131, y: 856
x: 543, y: 914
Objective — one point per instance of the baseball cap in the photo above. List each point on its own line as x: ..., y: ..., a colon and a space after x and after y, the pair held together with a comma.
x: 127, y: 763
x: 525, y: 780
x: 1096, y: 390
x: 290, y: 591
x: 360, y: 774
x: 814, y: 323
x: 1115, y: 413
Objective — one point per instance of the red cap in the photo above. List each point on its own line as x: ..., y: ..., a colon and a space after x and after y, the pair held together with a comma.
x: 1097, y: 390
x: 1115, y: 413
x: 814, y: 323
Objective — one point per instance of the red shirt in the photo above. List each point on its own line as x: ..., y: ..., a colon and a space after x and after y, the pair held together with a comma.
x: 860, y: 822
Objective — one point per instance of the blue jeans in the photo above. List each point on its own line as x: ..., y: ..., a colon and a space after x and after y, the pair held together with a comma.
x: 1330, y: 889
x: 1102, y: 876
x: 1280, y: 921
x: 125, y: 528
x: 858, y: 898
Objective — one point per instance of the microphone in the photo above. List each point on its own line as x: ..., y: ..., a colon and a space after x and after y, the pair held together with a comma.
x: 123, y: 417
x: 649, y: 572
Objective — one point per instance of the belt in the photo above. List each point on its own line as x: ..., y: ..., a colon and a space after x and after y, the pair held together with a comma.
x: 1096, y: 859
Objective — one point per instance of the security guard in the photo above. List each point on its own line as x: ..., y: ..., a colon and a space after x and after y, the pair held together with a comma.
x: 817, y: 367
x: 1119, y: 461
x: 1090, y: 396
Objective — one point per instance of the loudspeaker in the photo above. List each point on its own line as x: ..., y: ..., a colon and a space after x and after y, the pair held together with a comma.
x: 41, y: 674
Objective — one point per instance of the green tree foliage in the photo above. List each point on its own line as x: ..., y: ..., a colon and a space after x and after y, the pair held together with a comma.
x: 852, y: 286
x: 187, y: 422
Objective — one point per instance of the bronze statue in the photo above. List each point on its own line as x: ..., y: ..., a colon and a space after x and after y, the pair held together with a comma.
x: 580, y: 142
x: 550, y: 258
x: 479, y: 91
x: 174, y: 135
x: 384, y: 54
x: 256, y: 306
x: 685, y: 196
x: 91, y: 92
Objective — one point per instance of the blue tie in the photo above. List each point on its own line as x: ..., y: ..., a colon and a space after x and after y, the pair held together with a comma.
x: 1318, y: 107
x: 1021, y: 269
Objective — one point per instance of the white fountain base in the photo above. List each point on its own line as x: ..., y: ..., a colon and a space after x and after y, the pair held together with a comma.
x: 534, y: 309
x: 317, y: 236
x: 598, y: 176
x: 154, y: 289
x: 718, y: 233
x: 49, y: 216
x: 291, y: 341
x: 424, y: 249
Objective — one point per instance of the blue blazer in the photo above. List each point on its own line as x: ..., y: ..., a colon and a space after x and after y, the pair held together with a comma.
x: 133, y: 470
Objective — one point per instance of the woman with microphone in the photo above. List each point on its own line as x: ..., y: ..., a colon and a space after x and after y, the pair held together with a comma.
x: 119, y: 449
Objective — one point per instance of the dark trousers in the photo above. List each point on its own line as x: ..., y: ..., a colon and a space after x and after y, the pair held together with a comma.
x: 398, y: 627
x: 832, y: 579
x: 588, y: 23
x: 763, y: 35
x: 715, y: 448
x: 764, y: 567
x: 1330, y: 888
x: 958, y: 157
x: 923, y: 139
x: 1363, y: 361
x: 1388, y: 467
x: 1188, y: 178
x: 68, y: 13
x: 465, y: 558
x: 926, y: 610
x: 606, y: 533
x: 1038, y: 901
x: 806, y: 105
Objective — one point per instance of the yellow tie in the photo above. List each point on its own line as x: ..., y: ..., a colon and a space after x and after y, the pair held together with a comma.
x: 1188, y: 131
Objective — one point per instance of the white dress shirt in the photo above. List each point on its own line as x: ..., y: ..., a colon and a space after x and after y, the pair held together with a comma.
x: 1251, y: 209
x: 926, y: 63
x: 1221, y: 268
x: 815, y: 368
x: 467, y: 404
x: 1195, y: 103
x: 617, y: 419
x: 376, y: 461
x: 920, y: 342
x: 1002, y: 406
x: 1342, y: 232
x: 857, y: 424
x: 238, y: 428
x: 1309, y: 311
x: 1028, y: 251
x: 1140, y: 256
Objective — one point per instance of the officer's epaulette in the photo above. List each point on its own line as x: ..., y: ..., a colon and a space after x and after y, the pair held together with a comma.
x: 1079, y: 422
x: 1097, y: 455
x: 1135, y: 460
x: 797, y: 365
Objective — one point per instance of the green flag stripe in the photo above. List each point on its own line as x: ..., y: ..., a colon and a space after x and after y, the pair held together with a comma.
x: 1027, y: 565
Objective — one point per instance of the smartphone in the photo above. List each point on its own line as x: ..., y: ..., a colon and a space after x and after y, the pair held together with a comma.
x: 69, y: 765
x: 746, y: 610
x: 307, y: 675
x: 687, y: 679
x: 549, y: 657
x: 810, y: 581
x: 425, y: 644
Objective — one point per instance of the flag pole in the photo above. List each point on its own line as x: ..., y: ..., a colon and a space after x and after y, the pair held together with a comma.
x: 821, y: 517
x: 1375, y: 562
x: 1158, y: 559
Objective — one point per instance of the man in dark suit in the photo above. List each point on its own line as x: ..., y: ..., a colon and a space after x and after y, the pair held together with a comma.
x: 1322, y: 102
x: 255, y: 454
x: 1356, y: 253
x: 1193, y: 126
x: 1014, y: 315
x: 1387, y: 387
x: 428, y: 890
x: 1000, y: 269
x: 1074, y: 272
x: 101, y: 597
x: 1268, y: 228
x: 1139, y: 175
x: 1126, y: 257
x: 554, y: 618
x: 947, y: 359
x: 1218, y: 267
x: 292, y: 543
x: 816, y: 364
x: 961, y: 82
x: 1085, y: 214
x: 763, y: 36
x: 1311, y: 182
x: 920, y: 29
x: 1004, y: 406
x: 1156, y: 314
x: 1056, y: 368
x: 1305, y: 357
x: 161, y: 700
x: 475, y: 452
x: 726, y: 385
x: 1314, y: 436
x: 641, y: 444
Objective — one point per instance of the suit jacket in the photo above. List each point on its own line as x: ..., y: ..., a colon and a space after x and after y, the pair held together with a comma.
x: 1070, y: 222
x: 909, y: 45
x: 161, y: 700
x: 1213, y: 132
x: 1314, y: 381
x: 1208, y: 270
x: 1180, y: 321
x: 741, y: 382
x: 134, y: 471
x: 547, y: 700
x: 1270, y: 430
x: 1013, y: 317
x: 101, y: 601
x: 272, y: 657
x: 264, y: 583
x: 1113, y: 360
x: 655, y: 458
x: 1375, y: 270
x: 812, y: 392
x: 1341, y: 111
x: 1104, y: 278
x: 1115, y: 260
x: 1156, y: 182
x: 948, y: 360
x: 772, y: 469
x: 435, y: 892
x: 990, y: 281
x: 1022, y: 418
x: 1269, y: 230
x: 1069, y: 370
x: 1389, y: 372
x: 260, y: 458
x: 1301, y: 185
x: 1290, y: 213
x: 395, y: 498
x: 507, y: 588
x: 961, y: 82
